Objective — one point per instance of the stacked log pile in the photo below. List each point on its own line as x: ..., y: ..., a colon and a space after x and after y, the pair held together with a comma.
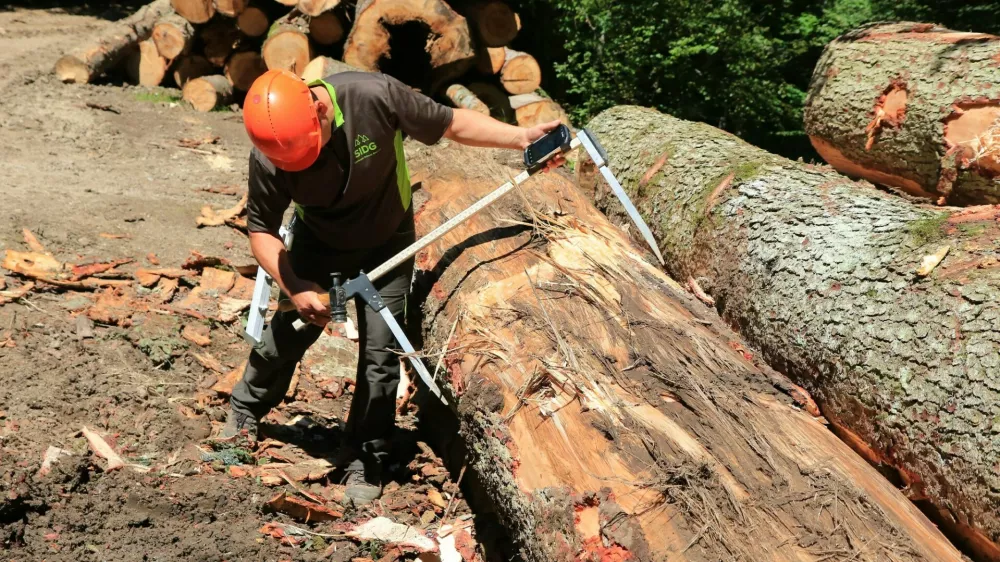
x: 457, y: 51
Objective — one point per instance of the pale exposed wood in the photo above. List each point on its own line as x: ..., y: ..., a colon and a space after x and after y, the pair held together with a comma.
x: 287, y: 45
x: 496, y: 24
x: 496, y: 99
x: 533, y: 109
x: 253, y: 22
x: 145, y: 66
x: 326, y: 29
x: 230, y: 8
x: 111, y: 46
x: 173, y: 36
x: 490, y: 60
x: 316, y: 7
x: 449, y: 45
x: 195, y: 11
x: 463, y: 97
x: 604, y: 411
x: 243, y: 68
x: 208, y: 92
x: 321, y: 67
x: 520, y: 73
x: 191, y: 66
x: 219, y: 39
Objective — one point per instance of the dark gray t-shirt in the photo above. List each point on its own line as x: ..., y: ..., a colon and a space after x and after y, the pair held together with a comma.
x: 357, y: 192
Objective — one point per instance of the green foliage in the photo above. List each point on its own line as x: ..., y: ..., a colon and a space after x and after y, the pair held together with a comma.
x: 741, y: 65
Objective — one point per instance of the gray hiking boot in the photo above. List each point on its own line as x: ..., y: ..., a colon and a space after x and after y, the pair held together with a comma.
x: 363, y: 486
x: 237, y: 423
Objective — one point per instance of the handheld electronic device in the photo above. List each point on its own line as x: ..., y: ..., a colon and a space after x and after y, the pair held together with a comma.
x: 556, y: 141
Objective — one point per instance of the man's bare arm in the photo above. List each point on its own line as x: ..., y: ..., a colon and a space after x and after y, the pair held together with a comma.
x: 269, y: 251
x: 475, y: 129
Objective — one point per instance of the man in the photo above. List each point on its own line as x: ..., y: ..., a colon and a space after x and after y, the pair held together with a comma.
x: 334, y: 148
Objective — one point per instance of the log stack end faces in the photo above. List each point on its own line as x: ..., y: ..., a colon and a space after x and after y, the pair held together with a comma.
x: 912, y: 106
x: 287, y: 45
x: 195, y: 11
x: 253, y: 22
x: 883, y: 310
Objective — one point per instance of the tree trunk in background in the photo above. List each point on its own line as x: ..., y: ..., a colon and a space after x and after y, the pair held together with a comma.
x: 326, y: 29
x: 191, y: 66
x: 463, y: 97
x: 321, y: 67
x: 173, y: 36
x: 287, y: 45
x: 316, y: 7
x: 243, y: 68
x: 449, y: 45
x: 145, y: 66
x: 520, y: 73
x: 911, y: 106
x: 494, y: 21
x: 111, y: 46
x: 496, y: 99
x: 230, y: 8
x: 208, y: 92
x: 533, y: 109
x: 821, y: 273
x: 219, y: 39
x: 253, y: 22
x: 195, y: 11
x: 604, y: 418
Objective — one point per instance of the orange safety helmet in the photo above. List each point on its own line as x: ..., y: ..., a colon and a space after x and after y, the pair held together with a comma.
x: 280, y: 117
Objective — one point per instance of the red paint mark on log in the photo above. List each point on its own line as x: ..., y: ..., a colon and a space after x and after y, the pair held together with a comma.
x: 713, y: 197
x: 656, y: 167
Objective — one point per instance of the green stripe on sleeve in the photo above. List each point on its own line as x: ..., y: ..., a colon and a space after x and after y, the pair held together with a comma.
x: 402, y: 172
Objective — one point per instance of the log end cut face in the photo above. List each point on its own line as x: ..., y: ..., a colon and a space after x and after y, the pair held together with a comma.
x: 972, y: 131
x: 287, y: 50
x: 72, y: 70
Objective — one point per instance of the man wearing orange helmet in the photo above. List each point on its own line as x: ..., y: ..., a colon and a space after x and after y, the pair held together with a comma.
x: 334, y: 148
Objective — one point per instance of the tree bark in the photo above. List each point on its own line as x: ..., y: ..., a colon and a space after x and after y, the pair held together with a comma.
x: 520, y: 73
x: 243, y: 68
x: 111, y: 46
x: 605, y: 417
x: 495, y: 23
x: 195, y: 11
x: 463, y: 97
x: 230, y: 8
x: 316, y: 7
x: 533, y: 109
x: 321, y: 67
x: 496, y: 99
x: 490, y: 60
x: 191, y: 66
x: 448, y: 44
x: 326, y: 29
x: 253, y: 22
x: 146, y: 67
x: 833, y: 281
x: 173, y: 36
x: 219, y: 39
x: 911, y: 106
x: 208, y: 92
x: 287, y: 45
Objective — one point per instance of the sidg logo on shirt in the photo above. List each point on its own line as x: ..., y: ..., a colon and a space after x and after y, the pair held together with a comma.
x: 363, y: 148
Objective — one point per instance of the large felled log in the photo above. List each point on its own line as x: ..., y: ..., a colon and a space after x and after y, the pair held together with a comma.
x: 422, y: 42
x: 326, y: 29
x: 287, y: 45
x: 146, y: 67
x: 208, y: 92
x: 463, y: 97
x: 189, y: 67
x: 111, y: 46
x: 520, y: 73
x: 253, y: 22
x: 173, y: 36
x: 195, y: 11
x: 912, y: 106
x: 843, y: 287
x: 243, y: 68
x: 533, y: 109
x: 321, y: 67
x: 605, y: 417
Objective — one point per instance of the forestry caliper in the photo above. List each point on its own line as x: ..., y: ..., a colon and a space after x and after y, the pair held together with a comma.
x: 557, y: 142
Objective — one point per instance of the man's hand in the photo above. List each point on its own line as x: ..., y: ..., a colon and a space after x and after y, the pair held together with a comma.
x: 308, y: 305
x: 532, y: 134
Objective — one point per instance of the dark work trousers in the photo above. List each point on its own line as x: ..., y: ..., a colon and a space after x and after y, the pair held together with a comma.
x: 372, y: 416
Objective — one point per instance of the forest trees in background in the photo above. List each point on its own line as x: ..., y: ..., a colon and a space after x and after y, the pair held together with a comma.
x: 741, y: 65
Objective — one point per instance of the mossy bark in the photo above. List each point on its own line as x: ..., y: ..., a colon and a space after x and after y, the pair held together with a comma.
x: 608, y: 415
x: 819, y: 273
x: 912, y: 106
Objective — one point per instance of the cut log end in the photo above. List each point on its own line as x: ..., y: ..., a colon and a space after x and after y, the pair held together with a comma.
x: 490, y: 61
x: 172, y: 36
x: 195, y: 11
x: 531, y: 110
x: 316, y: 7
x: 243, y: 68
x: 463, y: 97
x: 520, y: 73
x: 219, y: 38
x: 326, y: 29
x: 230, y: 8
x: 253, y: 22
x: 321, y: 67
x: 287, y: 50
x: 72, y: 70
x: 208, y: 92
x: 189, y: 67
x: 145, y: 66
x: 496, y: 23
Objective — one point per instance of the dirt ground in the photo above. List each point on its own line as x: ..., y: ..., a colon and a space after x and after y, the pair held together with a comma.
x: 96, y: 173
